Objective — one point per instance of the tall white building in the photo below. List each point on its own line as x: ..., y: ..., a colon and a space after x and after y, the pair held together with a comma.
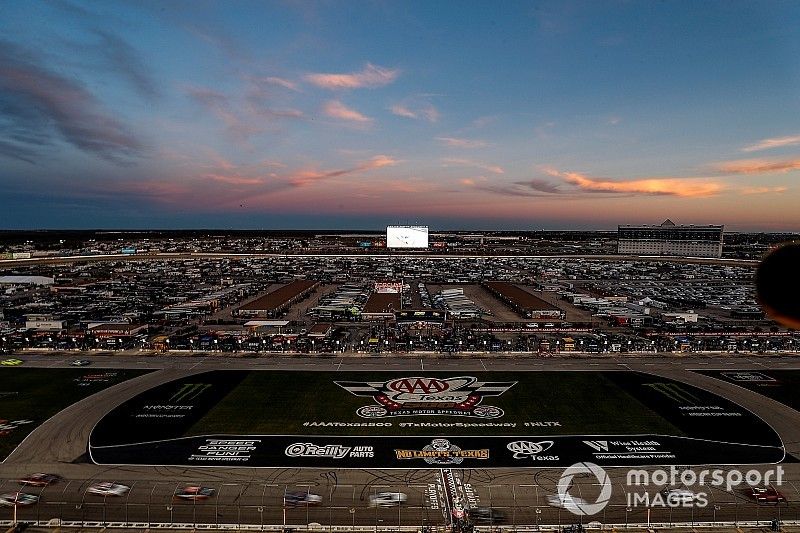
x: 670, y: 239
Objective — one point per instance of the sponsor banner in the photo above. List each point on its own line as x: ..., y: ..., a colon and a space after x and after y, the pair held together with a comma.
x: 283, y: 451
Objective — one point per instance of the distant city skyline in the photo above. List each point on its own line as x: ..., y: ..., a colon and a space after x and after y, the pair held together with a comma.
x: 357, y: 115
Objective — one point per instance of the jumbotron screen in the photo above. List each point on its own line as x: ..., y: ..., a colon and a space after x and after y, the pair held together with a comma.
x: 407, y: 236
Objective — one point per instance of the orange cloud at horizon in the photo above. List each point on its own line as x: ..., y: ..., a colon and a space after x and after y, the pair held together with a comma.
x: 682, y: 187
x: 762, y: 190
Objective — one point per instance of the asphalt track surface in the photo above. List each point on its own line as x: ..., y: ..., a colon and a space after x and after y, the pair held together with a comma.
x: 255, y: 496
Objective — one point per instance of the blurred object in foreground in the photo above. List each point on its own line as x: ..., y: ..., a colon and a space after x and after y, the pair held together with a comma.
x: 778, y: 284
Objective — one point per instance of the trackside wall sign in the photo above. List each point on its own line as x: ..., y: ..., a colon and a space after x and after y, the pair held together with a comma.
x: 413, y: 396
x: 292, y: 451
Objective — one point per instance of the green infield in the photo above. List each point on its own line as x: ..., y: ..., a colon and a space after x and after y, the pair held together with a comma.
x: 549, y: 403
x: 29, y: 396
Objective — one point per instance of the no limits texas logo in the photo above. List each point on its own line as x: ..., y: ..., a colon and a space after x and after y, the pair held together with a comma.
x: 458, y: 396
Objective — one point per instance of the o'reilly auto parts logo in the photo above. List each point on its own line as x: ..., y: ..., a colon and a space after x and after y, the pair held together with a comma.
x: 306, y: 449
x: 332, y: 451
x: 456, y: 396
x: 525, y: 449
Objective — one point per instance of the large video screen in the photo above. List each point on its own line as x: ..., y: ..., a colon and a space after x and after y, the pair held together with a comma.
x: 407, y: 237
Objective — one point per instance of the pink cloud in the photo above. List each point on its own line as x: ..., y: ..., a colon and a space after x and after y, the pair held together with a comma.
x: 429, y: 113
x: 370, y: 76
x: 682, y: 187
x: 220, y: 106
x: 236, y: 180
x: 757, y: 166
x: 402, y: 111
x: 336, y: 109
x: 281, y: 82
x: 307, y: 177
x: 455, y: 142
x: 777, y: 142
x: 452, y: 161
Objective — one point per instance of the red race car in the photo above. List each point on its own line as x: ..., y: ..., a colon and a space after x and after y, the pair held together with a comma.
x: 764, y: 495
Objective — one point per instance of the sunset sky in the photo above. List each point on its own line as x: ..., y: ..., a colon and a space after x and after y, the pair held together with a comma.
x: 345, y: 114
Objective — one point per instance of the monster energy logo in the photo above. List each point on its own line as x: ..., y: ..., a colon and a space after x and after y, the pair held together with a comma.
x: 674, y: 392
x: 188, y: 392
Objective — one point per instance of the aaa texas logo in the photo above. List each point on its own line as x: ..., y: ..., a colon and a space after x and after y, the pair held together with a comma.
x: 457, y: 396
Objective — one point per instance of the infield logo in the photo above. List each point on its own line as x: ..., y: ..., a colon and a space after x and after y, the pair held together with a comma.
x: 456, y: 396
x: 188, y: 392
x: 442, y: 452
x: 524, y: 449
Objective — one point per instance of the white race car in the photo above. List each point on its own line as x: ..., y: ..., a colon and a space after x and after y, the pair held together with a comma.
x: 107, y: 488
x: 387, y: 499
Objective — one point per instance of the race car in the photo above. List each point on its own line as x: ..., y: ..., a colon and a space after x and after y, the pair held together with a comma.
x: 387, y: 499
x: 486, y: 515
x: 765, y: 495
x: 568, y: 502
x: 40, y: 480
x: 195, y: 493
x: 80, y: 362
x: 107, y: 488
x: 678, y: 497
x: 12, y: 499
x: 293, y: 499
x: 11, y: 362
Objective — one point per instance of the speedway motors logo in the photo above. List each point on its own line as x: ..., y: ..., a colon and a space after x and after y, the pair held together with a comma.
x: 456, y: 396
x: 442, y: 452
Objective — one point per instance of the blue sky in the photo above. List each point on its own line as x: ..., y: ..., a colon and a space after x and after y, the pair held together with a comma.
x: 466, y: 115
